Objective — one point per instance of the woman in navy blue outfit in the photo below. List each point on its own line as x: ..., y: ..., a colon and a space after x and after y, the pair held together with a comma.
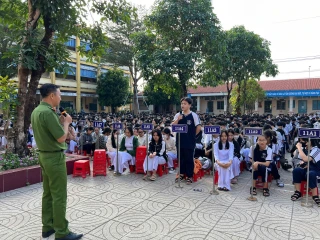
x: 188, y: 140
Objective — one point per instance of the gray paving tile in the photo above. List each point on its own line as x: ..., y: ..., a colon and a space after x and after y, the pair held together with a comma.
x: 112, y: 230
x: 6, y: 234
x: 133, y: 217
x: 302, y: 228
x: 175, y: 213
x: 7, y: 211
x: 150, y: 207
x: 189, y: 231
x: 202, y: 220
x: 87, y: 222
x: 273, y: 222
x: 163, y: 198
x: 233, y: 227
x: 216, y: 235
x: 18, y: 221
x: 259, y: 232
x: 245, y: 215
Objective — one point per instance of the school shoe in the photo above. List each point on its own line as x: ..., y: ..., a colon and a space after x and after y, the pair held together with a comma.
x: 172, y: 170
x: 126, y: 172
x: 71, y: 236
x: 48, y: 234
x: 279, y: 183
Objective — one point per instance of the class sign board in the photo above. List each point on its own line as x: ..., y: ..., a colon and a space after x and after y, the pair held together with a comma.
x: 98, y: 124
x: 309, y: 133
x: 211, y: 129
x: 117, y: 126
x: 147, y: 126
x: 180, y: 128
x: 253, y: 131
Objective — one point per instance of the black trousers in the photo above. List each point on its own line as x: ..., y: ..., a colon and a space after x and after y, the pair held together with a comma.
x: 187, y: 162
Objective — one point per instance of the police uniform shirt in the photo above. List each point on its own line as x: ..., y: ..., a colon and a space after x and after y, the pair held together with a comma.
x: 47, y: 128
x: 261, y: 156
x: 188, y: 140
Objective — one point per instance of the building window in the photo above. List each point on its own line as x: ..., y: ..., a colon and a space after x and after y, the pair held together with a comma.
x: 281, y: 105
x: 88, y: 73
x: 210, y: 106
x: 316, y: 105
x: 71, y: 72
x: 293, y: 104
x: 71, y: 44
x: 220, y: 105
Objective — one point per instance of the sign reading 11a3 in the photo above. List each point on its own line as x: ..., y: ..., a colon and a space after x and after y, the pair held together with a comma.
x: 309, y: 133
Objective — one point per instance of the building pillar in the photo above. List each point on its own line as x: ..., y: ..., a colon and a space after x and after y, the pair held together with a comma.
x: 198, y: 104
x: 174, y: 108
x: 98, y: 75
x: 290, y: 105
x: 78, y: 76
x: 225, y: 99
x: 256, y: 107
x: 53, y: 77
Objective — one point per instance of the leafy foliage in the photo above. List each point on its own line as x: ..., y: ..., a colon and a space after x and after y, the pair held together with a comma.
x: 242, y: 55
x: 248, y: 95
x: 162, y: 90
x: 13, y: 161
x: 8, y: 96
x: 113, y: 88
x: 179, y: 37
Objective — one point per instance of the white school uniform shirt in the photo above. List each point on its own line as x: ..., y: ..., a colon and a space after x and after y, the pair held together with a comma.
x: 223, y: 155
x: 269, y: 153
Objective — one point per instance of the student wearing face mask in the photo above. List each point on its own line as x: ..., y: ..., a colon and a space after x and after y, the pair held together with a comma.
x: 299, y: 174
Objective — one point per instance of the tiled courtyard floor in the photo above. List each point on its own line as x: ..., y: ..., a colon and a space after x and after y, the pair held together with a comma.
x: 127, y: 207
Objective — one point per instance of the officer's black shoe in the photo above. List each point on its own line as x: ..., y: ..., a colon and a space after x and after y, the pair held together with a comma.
x: 48, y: 234
x: 71, y: 236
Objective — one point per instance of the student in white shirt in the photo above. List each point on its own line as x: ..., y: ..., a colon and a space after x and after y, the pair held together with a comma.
x: 260, y: 163
x: 171, y: 148
x: 223, y: 154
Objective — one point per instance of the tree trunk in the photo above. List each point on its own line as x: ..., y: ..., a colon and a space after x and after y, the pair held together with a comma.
x: 238, y: 107
x: 135, y: 103
x: 228, y: 101
x: 20, y: 141
x: 184, y: 90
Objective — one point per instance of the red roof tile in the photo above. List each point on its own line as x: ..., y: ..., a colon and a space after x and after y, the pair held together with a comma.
x: 268, y: 85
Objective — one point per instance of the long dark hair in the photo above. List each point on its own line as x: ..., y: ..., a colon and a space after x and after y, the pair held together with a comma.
x: 113, y: 140
x: 130, y: 129
x: 153, y: 142
x: 220, y: 142
x: 269, y: 134
x: 167, y: 131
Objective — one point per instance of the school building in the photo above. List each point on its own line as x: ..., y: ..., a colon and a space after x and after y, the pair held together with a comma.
x: 282, y: 97
x: 78, y: 88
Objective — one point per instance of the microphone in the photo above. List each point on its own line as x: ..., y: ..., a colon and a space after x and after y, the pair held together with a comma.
x: 181, y: 114
x: 63, y: 112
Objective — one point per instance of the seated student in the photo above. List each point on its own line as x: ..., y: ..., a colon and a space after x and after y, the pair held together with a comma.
x: 157, y: 155
x: 128, y: 147
x: 112, y: 146
x: 260, y: 163
x: 171, y: 148
x: 223, y: 154
x: 87, y: 140
x: 272, y: 143
x: 142, y: 138
x: 300, y: 173
x: 236, y: 155
x: 71, y: 139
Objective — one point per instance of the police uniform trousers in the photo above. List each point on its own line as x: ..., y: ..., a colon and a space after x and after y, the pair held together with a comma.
x: 54, y: 198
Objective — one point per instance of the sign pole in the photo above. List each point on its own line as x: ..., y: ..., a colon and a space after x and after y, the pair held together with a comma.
x: 252, y: 198
x: 147, y: 127
x: 252, y: 132
x: 179, y: 161
x: 212, y: 130
x: 214, y: 191
x: 118, y: 127
x: 306, y: 203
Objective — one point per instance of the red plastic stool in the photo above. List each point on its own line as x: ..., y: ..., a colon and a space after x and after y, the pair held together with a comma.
x: 303, y: 189
x: 278, y: 164
x: 197, y: 175
x: 162, y: 168
x: 84, y: 153
x: 259, y: 183
x: 175, y: 163
x: 216, y: 177
x: 81, y: 168
x: 242, y: 166
x: 132, y: 168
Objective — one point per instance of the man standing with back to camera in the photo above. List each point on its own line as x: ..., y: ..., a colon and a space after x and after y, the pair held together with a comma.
x: 50, y: 137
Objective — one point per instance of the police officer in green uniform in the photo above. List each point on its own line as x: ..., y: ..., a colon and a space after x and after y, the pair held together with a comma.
x: 50, y: 134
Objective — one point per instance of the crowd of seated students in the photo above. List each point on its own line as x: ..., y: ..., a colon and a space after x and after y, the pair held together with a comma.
x: 228, y: 149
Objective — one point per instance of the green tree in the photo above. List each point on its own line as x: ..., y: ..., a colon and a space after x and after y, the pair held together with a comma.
x: 44, y: 27
x: 162, y: 90
x: 180, y: 35
x: 121, y: 52
x: 113, y: 89
x: 246, y: 96
x: 242, y: 55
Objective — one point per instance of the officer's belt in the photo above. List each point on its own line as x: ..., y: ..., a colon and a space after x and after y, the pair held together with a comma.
x: 61, y: 150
